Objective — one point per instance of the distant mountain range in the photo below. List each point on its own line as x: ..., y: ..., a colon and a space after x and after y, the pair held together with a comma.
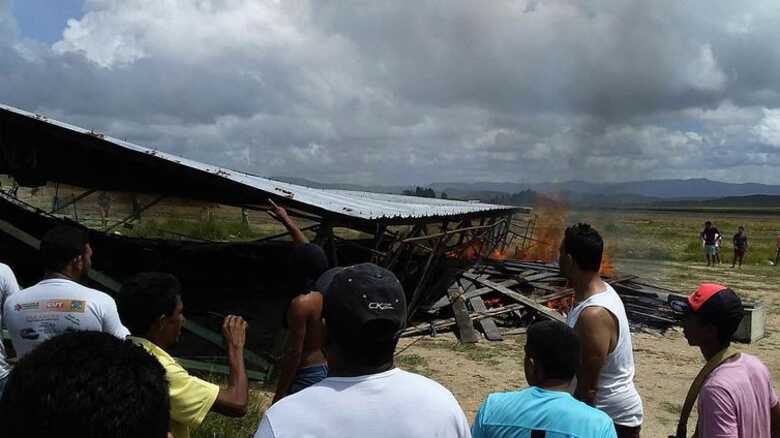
x: 665, y: 189
x: 651, y: 192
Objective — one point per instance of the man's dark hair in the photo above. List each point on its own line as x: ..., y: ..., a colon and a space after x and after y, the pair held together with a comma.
x: 585, y: 246
x: 306, y: 263
x: 144, y: 297
x: 87, y: 384
x: 707, y: 223
x: 556, y: 347
x: 62, y: 244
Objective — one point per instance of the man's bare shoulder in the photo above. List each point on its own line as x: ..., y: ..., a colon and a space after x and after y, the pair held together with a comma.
x: 305, y: 304
x: 595, y: 316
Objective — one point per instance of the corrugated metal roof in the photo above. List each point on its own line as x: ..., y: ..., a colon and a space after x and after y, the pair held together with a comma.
x: 362, y: 205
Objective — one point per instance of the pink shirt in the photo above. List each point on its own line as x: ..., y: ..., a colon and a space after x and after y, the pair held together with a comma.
x: 735, y: 400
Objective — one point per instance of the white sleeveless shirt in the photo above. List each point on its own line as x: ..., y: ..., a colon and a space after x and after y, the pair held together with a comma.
x: 616, y: 394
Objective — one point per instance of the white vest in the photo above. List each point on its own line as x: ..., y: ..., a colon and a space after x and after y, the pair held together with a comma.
x: 616, y: 393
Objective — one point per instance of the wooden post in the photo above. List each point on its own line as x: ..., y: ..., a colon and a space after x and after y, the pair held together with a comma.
x: 465, y: 327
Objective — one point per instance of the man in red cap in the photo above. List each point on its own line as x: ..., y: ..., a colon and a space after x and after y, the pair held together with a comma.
x: 736, y: 397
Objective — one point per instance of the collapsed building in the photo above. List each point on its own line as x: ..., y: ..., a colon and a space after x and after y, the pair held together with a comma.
x: 426, y: 242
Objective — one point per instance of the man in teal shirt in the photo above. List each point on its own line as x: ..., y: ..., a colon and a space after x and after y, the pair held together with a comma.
x: 546, y: 409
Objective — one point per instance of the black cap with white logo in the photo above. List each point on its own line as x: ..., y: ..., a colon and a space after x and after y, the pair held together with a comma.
x: 364, y: 302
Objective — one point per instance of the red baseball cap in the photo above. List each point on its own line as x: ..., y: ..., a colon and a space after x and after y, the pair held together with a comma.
x: 714, y: 302
x: 703, y: 293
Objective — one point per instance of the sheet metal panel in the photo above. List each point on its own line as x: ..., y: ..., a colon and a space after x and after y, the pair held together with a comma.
x: 356, y: 204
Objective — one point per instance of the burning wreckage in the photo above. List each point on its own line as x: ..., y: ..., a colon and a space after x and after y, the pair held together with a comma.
x: 449, y: 255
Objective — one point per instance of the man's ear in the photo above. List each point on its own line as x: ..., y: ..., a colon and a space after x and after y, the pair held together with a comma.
x: 569, y: 259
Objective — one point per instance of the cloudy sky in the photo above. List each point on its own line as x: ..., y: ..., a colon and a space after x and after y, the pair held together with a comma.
x: 412, y: 92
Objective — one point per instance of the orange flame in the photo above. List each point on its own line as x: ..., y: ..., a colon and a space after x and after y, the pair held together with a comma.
x: 470, y: 251
x: 607, y: 269
x: 548, y: 231
x: 498, y: 255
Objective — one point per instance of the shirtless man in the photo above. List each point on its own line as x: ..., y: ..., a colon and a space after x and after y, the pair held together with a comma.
x: 303, y: 362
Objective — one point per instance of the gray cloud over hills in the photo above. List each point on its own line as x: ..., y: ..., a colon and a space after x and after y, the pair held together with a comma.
x: 416, y: 92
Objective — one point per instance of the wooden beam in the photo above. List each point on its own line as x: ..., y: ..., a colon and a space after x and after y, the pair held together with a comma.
x: 469, y: 294
x: 466, y: 332
x: 450, y: 322
x: 72, y: 201
x: 488, y: 325
x: 528, y: 302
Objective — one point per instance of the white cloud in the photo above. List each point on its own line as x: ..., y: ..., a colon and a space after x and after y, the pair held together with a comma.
x: 401, y: 92
x: 768, y: 129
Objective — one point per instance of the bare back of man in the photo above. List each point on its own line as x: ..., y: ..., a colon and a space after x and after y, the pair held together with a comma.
x: 303, y: 362
x: 310, y: 306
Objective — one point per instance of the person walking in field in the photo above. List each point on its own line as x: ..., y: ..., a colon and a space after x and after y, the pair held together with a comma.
x: 718, y: 243
x: 740, y: 241
x: 709, y: 237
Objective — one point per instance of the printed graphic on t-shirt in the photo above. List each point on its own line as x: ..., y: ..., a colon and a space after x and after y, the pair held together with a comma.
x: 73, y: 306
x: 50, y: 317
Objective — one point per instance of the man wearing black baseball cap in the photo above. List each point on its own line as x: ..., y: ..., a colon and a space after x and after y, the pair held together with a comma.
x: 364, y: 394
x: 736, y: 397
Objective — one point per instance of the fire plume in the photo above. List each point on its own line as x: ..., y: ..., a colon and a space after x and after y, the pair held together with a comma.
x: 606, y: 264
x: 548, y: 230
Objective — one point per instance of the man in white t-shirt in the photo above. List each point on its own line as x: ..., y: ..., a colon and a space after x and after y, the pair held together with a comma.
x: 364, y: 394
x: 8, y: 286
x: 59, y: 304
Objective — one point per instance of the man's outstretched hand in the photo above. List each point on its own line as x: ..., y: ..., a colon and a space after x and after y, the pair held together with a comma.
x: 278, y: 213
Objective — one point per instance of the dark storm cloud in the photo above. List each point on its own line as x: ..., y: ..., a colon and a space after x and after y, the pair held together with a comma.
x: 396, y: 92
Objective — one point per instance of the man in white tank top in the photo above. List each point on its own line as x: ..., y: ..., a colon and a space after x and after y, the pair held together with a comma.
x: 605, y: 379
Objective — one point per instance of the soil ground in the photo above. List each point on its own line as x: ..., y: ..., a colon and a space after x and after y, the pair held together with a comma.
x: 665, y: 364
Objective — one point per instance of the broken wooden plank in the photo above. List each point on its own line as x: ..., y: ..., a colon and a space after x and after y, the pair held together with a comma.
x: 528, y: 302
x: 541, y: 276
x: 469, y: 294
x: 442, y: 324
x: 466, y: 332
x: 488, y: 325
x: 554, y: 296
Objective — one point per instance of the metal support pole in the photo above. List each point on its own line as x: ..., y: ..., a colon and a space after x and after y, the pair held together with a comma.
x: 134, y: 214
x: 73, y: 201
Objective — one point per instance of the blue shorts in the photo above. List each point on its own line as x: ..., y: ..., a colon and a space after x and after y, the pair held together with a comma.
x: 710, y: 250
x: 305, y: 377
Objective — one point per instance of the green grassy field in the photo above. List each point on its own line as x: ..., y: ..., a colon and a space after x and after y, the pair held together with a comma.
x: 674, y: 235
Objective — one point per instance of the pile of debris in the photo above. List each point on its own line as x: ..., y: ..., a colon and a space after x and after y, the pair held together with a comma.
x: 504, y: 297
